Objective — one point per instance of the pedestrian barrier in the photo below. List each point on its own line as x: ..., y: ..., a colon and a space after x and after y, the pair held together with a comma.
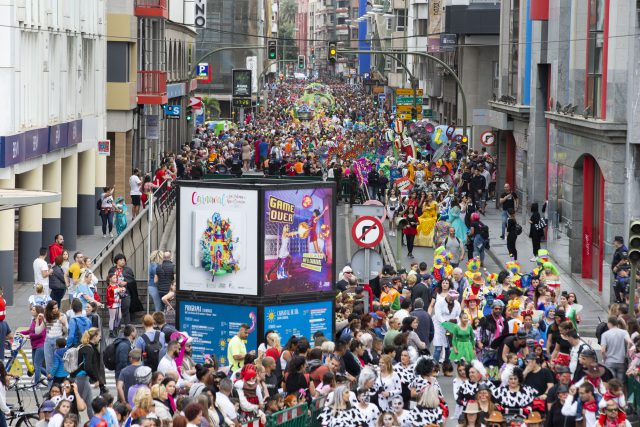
x: 315, y: 409
x: 291, y: 417
x: 633, y: 393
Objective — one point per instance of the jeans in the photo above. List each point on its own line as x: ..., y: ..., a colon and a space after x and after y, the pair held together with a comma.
x: 57, y: 295
x: 49, y: 349
x: 438, y: 351
x: 125, y: 318
x: 372, y: 192
x: 155, y: 296
x: 37, y: 354
x: 505, y: 218
x: 478, y: 247
x: 84, y: 390
x: 410, y: 239
x: 3, y: 419
x: 107, y: 217
x: 619, y: 371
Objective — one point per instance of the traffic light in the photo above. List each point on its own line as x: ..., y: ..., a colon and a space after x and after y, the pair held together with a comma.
x: 189, y: 114
x: 634, y: 241
x: 414, y: 114
x: 375, y: 100
x: 313, y: 52
x: 272, y: 49
x: 301, y: 61
x: 332, y: 52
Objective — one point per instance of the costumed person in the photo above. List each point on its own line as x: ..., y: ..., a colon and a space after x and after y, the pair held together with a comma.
x: 340, y: 413
x: 429, y: 409
x: 388, y: 383
x: 250, y: 395
x: 447, y: 309
x: 515, y: 398
x: 551, y: 279
x: 121, y: 215
x: 456, y: 219
x: 476, y: 289
x: 462, y: 339
x: 427, y: 222
x: 472, y: 307
x: 476, y: 375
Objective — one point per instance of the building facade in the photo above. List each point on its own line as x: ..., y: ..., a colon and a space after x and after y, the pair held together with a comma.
x: 52, y: 86
x: 567, y: 123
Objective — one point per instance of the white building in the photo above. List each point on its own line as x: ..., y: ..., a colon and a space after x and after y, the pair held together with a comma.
x: 52, y: 93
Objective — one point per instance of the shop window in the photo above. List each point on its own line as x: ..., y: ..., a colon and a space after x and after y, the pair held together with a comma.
x: 514, y: 33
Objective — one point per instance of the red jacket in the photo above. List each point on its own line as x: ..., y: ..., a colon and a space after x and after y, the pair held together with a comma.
x: 55, y: 249
x: 112, y: 295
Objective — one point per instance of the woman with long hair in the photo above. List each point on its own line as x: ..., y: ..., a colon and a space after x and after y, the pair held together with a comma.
x: 536, y: 232
x: 88, y: 363
x: 339, y: 412
x: 62, y: 410
x: 388, y: 383
x: 470, y: 416
x: 485, y: 402
x: 393, y: 209
x: 297, y: 378
x: 409, y: 326
x: 428, y: 409
x: 56, y: 327
x: 155, y: 259
x: 405, y: 371
x: 37, y: 335
x: 159, y: 395
x: 170, y: 387
x: 410, y: 228
x: 427, y: 222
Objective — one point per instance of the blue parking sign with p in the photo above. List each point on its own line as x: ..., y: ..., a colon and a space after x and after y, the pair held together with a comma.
x: 203, y: 70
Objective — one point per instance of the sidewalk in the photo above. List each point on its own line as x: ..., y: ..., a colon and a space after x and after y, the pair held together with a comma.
x: 593, y: 309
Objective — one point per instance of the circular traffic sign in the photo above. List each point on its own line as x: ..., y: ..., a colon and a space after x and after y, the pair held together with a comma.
x: 367, y: 231
x: 487, y: 138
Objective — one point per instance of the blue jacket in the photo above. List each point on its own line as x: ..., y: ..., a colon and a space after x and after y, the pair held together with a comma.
x: 77, y: 326
x: 58, y: 364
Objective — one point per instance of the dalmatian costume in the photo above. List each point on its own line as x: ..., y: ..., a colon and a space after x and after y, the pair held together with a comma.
x: 514, y: 402
x: 351, y: 417
x: 421, y: 416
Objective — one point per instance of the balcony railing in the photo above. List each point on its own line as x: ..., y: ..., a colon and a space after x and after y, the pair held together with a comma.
x: 152, y: 8
x: 152, y: 87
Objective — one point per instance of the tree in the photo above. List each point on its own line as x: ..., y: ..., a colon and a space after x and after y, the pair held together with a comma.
x: 286, y: 28
x: 212, y: 107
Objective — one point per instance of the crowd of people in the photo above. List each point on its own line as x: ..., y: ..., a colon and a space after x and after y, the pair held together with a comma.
x: 509, y: 339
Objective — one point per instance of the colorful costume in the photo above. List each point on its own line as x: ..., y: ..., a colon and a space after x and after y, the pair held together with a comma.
x: 463, y: 340
x: 427, y: 222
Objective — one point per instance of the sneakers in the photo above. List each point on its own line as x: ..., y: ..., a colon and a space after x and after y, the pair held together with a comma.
x: 533, y: 259
x: 502, y: 237
x: 111, y: 234
x: 104, y: 236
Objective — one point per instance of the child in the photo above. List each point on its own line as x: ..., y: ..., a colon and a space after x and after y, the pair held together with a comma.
x: 39, y: 298
x: 507, y: 368
x: 110, y: 416
x: 99, y: 406
x: 614, y: 392
x: 291, y: 400
x: 327, y: 385
x: 57, y: 371
x: 113, y: 304
x: 272, y: 405
x: 280, y: 402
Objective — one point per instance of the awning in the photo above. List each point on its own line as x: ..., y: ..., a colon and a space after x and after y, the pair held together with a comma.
x: 19, y: 197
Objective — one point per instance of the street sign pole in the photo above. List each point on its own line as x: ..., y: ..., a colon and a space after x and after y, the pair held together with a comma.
x: 633, y: 284
x: 367, y: 269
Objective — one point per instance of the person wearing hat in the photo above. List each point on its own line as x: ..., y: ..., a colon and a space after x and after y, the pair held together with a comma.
x: 348, y: 279
x: 562, y: 378
x: 535, y: 376
x: 534, y: 419
x: 45, y: 413
x: 389, y: 292
x: 495, y: 419
x: 554, y: 415
x: 492, y: 325
x: 618, y: 243
x: 594, y: 376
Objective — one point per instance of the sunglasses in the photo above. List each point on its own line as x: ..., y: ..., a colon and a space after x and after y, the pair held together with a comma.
x: 348, y: 272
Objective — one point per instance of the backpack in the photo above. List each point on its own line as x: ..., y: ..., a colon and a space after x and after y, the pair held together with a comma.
x: 483, y: 230
x: 70, y: 359
x: 109, y: 355
x: 518, y: 229
x: 99, y: 204
x: 151, y: 355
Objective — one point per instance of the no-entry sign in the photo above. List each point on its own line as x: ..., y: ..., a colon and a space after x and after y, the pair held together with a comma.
x: 367, y: 231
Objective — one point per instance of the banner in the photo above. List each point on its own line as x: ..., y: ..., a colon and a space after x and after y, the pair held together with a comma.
x: 241, y: 83
x: 213, y: 325
x: 218, y: 240
x: 297, y: 244
x: 300, y: 319
x: 436, y: 17
x: 252, y: 64
x: 404, y: 185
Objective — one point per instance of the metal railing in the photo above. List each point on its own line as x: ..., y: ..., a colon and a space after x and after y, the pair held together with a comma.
x: 133, y: 242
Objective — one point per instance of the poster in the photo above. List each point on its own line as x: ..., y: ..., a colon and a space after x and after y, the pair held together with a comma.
x: 404, y: 185
x: 213, y: 325
x: 298, y: 247
x: 241, y: 83
x: 218, y: 240
x: 300, y: 319
x: 436, y: 17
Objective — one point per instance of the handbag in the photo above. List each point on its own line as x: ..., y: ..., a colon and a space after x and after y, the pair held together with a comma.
x: 541, y: 225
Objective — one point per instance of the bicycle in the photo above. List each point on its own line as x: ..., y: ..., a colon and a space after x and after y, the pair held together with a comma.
x: 24, y: 418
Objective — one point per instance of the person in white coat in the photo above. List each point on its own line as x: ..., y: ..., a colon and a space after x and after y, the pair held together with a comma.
x: 445, y: 310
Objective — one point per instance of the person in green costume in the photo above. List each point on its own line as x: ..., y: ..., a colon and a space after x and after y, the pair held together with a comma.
x: 463, y: 340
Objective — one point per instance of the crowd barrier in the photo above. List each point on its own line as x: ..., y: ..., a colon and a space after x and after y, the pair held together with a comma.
x: 303, y: 415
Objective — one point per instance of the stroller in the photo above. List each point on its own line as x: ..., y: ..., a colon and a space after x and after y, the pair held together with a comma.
x: 14, y: 367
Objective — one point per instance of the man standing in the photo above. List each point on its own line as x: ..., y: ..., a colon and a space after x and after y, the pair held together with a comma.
x: 614, y: 344
x: 348, y: 279
x: 460, y: 282
x: 78, y: 324
x: 56, y: 248
x: 41, y: 270
x: 508, y: 200
x: 168, y: 363
x: 165, y: 274
x: 419, y: 290
x: 134, y: 191
x: 618, y: 243
x: 425, y: 329
x: 454, y: 246
x: 237, y: 349
x: 74, y: 272
x: 123, y: 347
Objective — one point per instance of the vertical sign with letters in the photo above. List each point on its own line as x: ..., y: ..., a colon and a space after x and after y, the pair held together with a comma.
x: 200, y: 20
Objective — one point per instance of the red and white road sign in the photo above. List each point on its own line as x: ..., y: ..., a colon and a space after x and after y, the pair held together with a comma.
x: 367, y: 231
x: 488, y: 138
x: 195, y: 102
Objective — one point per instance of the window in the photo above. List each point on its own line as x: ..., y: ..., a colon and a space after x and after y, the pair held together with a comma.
x: 117, y: 62
x: 595, y: 52
x: 514, y: 33
x: 387, y: 63
x: 401, y: 19
x: 496, y: 75
x: 399, y: 62
x: 389, y: 23
x: 423, y: 27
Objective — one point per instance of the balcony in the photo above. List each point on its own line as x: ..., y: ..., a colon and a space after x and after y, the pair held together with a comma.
x: 342, y: 29
x: 342, y: 12
x: 152, y: 87
x: 152, y: 8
